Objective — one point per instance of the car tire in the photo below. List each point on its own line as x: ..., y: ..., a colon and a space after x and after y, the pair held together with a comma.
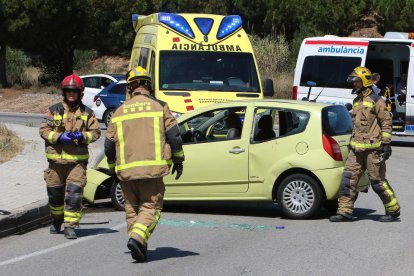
x: 108, y: 115
x: 299, y: 196
x: 117, y: 197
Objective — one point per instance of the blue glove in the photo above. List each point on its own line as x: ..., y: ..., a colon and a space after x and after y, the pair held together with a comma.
x: 65, y: 138
x: 77, y: 135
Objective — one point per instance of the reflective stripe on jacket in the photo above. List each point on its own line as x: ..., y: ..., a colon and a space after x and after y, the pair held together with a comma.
x: 61, y: 118
x: 143, y: 139
x: 372, y: 122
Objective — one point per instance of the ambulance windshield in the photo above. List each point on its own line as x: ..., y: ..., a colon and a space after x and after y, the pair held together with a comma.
x: 212, y: 71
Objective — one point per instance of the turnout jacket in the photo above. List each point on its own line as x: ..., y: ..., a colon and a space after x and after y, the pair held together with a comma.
x: 372, y: 122
x: 143, y: 138
x: 61, y: 118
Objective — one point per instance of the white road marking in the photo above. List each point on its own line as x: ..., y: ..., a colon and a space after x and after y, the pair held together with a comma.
x: 60, y: 246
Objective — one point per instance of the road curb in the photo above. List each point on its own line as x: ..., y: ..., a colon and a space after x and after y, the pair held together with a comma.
x: 24, y: 218
x: 21, y: 114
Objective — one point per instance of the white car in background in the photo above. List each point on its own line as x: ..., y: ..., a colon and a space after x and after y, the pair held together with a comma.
x: 95, y: 83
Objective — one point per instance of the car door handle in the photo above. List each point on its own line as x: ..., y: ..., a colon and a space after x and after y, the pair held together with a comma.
x: 412, y: 96
x: 121, y: 101
x: 236, y: 150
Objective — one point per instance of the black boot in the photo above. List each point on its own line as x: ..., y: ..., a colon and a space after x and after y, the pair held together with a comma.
x: 138, y: 251
x: 70, y: 233
x: 389, y: 217
x: 56, y: 225
x: 340, y: 218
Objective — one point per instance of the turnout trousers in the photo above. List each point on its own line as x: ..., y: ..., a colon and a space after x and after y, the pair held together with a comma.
x: 143, y: 205
x: 64, y: 188
x: 356, y: 165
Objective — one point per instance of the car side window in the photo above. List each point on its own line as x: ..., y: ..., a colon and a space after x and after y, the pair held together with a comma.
x: 105, y: 82
x: 118, y: 89
x: 92, y: 82
x: 272, y: 123
x: 214, y: 126
x: 143, y: 57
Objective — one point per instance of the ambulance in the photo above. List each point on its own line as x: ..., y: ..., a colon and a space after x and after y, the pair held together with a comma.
x: 324, y: 64
x: 197, y: 59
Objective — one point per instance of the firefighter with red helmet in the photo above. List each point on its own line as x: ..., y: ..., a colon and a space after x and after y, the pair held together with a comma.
x: 142, y: 141
x: 370, y: 147
x: 68, y: 128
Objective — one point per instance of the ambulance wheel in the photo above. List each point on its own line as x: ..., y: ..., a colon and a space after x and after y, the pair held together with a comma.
x: 116, y: 196
x: 299, y: 196
x: 108, y: 115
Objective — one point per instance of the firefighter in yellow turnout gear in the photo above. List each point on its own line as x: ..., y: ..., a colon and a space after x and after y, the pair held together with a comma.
x: 67, y: 129
x: 142, y: 141
x: 370, y: 147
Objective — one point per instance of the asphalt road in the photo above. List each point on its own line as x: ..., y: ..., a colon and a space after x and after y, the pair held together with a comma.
x: 231, y: 239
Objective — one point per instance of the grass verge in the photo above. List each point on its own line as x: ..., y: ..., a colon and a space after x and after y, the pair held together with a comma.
x: 10, y: 144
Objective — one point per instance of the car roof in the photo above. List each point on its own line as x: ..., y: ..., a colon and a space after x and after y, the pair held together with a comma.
x: 285, y: 101
x: 114, y: 76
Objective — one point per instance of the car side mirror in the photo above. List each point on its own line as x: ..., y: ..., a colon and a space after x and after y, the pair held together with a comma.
x: 268, y: 88
x: 348, y: 106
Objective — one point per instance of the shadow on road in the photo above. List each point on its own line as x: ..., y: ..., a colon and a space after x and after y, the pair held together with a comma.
x: 162, y: 253
x: 402, y: 143
x: 94, y: 231
x: 225, y: 208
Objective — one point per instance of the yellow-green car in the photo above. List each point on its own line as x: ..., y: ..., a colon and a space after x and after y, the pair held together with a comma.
x: 288, y: 152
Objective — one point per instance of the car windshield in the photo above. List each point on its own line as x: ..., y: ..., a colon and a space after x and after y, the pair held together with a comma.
x: 213, y: 71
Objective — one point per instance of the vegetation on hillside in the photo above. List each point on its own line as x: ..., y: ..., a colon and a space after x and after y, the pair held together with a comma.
x: 61, y: 36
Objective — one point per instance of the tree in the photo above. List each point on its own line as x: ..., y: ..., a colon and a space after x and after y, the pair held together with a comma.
x: 56, y: 30
x: 395, y: 15
x: 13, y: 19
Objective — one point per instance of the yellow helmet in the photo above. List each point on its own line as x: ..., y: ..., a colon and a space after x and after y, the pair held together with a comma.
x: 363, y: 74
x: 139, y: 75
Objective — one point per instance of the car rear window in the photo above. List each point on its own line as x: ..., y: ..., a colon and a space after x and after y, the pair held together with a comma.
x: 336, y: 120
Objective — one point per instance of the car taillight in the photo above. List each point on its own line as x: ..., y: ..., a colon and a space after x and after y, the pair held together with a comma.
x: 295, y: 93
x: 331, y: 147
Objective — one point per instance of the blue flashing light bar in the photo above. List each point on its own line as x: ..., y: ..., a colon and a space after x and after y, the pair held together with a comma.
x: 176, y: 22
x: 228, y: 25
x: 134, y: 19
x: 204, y: 24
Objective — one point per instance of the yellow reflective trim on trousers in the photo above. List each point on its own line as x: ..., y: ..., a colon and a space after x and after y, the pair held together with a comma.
x: 365, y: 146
x: 157, y: 138
x: 178, y: 153
x: 56, y: 210
x: 89, y: 135
x: 67, y: 156
x: 121, y: 142
x: 142, y: 164
x: 364, y: 103
x: 137, y: 116
x: 84, y: 117
x: 152, y: 226
x: 50, y: 136
x: 393, y: 204
x: 72, y: 216
x: 141, y: 230
x: 386, y: 135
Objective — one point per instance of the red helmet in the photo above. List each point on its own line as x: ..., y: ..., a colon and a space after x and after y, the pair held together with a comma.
x: 72, y: 82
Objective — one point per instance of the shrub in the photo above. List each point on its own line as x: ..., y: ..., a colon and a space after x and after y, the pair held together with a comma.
x: 83, y: 60
x: 10, y: 144
x: 16, y: 62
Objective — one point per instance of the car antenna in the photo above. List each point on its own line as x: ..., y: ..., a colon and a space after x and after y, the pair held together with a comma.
x: 314, y: 100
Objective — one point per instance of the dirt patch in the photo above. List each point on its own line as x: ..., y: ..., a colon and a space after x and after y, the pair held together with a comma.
x: 10, y: 144
x: 27, y: 100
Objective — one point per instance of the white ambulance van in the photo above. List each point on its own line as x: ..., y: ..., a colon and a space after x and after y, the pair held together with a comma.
x: 325, y: 63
